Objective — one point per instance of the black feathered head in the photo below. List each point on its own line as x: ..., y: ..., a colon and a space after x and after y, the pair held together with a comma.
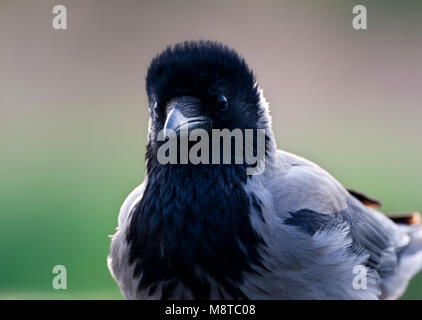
x: 209, y: 83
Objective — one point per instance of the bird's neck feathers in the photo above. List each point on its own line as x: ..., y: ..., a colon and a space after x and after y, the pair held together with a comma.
x: 194, y: 218
x: 265, y: 122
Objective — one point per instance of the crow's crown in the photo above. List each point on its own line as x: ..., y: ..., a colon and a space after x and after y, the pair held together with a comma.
x: 203, y: 69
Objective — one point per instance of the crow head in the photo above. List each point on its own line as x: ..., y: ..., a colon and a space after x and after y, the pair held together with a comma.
x: 202, y: 84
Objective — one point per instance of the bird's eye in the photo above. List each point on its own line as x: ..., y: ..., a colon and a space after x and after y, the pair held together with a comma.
x: 222, y: 102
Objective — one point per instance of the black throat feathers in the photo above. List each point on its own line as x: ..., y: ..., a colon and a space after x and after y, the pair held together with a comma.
x: 192, y: 226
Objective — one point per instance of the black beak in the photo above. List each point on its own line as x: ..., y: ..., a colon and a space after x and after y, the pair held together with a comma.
x: 184, y: 116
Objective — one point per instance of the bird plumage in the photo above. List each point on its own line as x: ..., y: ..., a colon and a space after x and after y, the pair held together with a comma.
x: 213, y: 232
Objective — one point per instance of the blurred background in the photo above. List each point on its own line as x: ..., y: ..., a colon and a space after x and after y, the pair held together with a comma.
x: 73, y: 115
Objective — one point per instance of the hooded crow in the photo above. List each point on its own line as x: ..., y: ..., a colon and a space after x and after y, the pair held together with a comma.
x: 211, y: 231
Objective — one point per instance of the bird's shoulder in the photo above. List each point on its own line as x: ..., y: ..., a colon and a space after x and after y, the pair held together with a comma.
x: 131, y: 200
x: 117, y: 260
x: 296, y: 183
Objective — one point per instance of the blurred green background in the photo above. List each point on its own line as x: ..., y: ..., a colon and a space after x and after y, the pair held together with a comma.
x: 73, y: 116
